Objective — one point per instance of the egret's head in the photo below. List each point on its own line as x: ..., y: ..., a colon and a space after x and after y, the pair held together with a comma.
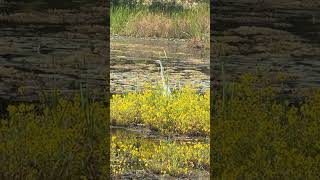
x: 158, y: 61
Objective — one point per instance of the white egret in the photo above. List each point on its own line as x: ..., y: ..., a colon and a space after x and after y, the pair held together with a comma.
x: 166, y: 88
x: 39, y: 48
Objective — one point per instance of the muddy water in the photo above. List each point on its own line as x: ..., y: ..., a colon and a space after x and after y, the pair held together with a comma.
x: 274, y: 36
x: 44, y: 46
x: 133, y: 63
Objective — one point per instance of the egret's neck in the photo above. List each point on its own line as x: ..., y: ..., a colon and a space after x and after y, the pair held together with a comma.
x: 162, y: 72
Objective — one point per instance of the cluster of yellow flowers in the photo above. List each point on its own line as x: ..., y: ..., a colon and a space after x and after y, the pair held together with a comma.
x: 159, y: 157
x: 184, y: 112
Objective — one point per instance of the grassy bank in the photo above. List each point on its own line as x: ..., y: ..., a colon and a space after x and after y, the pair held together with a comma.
x: 58, y: 140
x: 185, y: 111
x: 258, y: 133
x: 146, y: 21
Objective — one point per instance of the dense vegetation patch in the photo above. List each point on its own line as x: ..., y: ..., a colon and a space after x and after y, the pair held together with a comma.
x: 257, y: 133
x: 166, y: 20
x: 185, y: 111
x: 163, y: 157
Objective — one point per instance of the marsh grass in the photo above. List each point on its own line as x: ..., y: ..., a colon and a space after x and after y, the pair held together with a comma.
x: 141, y: 21
x: 259, y: 133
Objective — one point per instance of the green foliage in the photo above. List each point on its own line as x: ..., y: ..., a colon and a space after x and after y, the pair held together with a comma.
x: 64, y: 141
x: 257, y: 136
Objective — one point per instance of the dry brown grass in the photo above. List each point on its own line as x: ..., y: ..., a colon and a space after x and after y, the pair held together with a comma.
x: 160, y: 25
x: 150, y: 25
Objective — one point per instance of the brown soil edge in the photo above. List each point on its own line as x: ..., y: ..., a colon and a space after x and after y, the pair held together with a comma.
x: 153, y: 134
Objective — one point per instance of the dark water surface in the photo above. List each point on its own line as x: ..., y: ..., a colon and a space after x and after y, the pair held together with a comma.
x: 48, y: 44
x: 274, y: 36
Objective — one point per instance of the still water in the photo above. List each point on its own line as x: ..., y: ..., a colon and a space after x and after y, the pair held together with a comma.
x: 133, y: 63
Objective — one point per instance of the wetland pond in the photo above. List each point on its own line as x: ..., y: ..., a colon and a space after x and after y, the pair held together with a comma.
x: 132, y: 66
x: 46, y: 46
x: 133, y: 63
